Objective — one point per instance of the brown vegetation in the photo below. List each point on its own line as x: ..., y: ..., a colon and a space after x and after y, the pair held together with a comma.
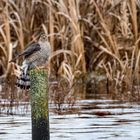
x: 100, y: 36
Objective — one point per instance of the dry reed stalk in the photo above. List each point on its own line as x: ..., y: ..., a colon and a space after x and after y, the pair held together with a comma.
x: 95, y: 35
x: 112, y: 42
x: 6, y: 36
x: 77, y: 42
x: 133, y: 13
x: 134, y: 18
x: 51, y: 26
x: 77, y: 46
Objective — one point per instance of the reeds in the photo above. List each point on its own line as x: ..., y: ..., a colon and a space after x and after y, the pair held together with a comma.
x: 86, y: 36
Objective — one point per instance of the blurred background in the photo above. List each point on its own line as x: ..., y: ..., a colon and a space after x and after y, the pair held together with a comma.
x: 95, y: 43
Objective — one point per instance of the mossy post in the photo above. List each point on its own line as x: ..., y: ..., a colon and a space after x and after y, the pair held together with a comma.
x: 39, y: 104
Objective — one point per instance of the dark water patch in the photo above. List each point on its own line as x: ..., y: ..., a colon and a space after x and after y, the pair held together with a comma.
x: 1, y: 133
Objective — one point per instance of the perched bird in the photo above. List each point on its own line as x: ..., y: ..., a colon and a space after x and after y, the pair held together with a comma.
x: 35, y: 55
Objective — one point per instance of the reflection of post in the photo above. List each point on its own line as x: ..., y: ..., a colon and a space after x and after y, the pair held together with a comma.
x: 39, y: 104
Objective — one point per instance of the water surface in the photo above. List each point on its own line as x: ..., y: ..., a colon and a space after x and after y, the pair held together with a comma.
x: 95, y: 119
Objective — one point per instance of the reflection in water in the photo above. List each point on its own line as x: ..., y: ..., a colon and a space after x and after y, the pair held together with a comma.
x: 98, y: 118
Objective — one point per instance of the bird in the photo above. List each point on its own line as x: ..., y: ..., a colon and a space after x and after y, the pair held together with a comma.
x: 35, y: 55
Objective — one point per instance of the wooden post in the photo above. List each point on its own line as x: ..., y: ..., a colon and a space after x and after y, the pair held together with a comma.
x: 39, y: 104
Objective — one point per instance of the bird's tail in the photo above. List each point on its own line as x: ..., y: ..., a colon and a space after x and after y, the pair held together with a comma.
x: 23, y: 81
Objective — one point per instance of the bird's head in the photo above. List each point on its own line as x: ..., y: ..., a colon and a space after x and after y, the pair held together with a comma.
x: 43, y: 38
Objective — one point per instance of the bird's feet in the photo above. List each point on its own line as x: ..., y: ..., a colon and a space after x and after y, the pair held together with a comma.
x: 46, y: 66
x: 16, y: 70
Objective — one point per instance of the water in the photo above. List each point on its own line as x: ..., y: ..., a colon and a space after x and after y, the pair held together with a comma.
x: 96, y: 119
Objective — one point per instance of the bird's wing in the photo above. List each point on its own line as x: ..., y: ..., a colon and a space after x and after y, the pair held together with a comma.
x: 30, y: 50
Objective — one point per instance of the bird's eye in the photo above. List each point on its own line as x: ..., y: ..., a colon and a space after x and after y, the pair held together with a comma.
x: 43, y: 37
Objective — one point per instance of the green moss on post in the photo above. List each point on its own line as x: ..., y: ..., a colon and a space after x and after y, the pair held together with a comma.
x: 39, y: 104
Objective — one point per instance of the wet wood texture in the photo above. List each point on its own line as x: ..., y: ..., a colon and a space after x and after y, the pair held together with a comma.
x: 39, y: 104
